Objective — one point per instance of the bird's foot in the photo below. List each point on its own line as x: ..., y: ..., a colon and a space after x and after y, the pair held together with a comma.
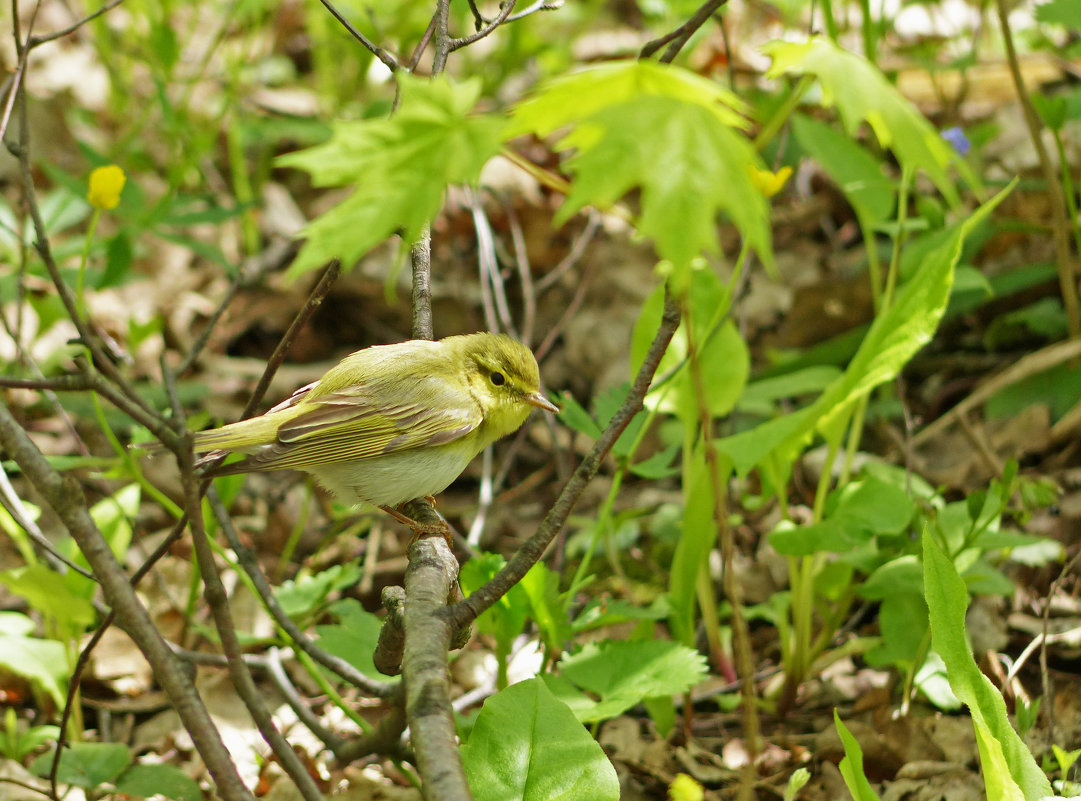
x: 421, y: 529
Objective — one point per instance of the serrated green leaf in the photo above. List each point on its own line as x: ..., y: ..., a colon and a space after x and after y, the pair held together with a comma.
x: 353, y: 637
x: 570, y: 99
x: 303, y: 595
x: 574, y: 415
x: 624, y: 673
x: 687, y: 164
x: 672, y: 134
x: 506, y: 618
x: 400, y: 168
x: 861, y: 93
x: 527, y: 746
x: 1060, y: 12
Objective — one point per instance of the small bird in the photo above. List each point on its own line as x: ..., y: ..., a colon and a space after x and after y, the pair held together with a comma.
x: 390, y: 423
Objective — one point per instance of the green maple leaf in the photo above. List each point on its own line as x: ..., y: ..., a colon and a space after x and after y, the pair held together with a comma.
x: 400, y: 167
x: 671, y: 134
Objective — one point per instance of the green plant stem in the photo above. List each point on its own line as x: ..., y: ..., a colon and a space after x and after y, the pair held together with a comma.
x: 867, y: 28
x: 898, y: 239
x: 604, y: 515
x: 852, y: 445
x: 781, y: 115
x: 831, y: 23
x: 1067, y: 276
x: 874, y: 264
x: 80, y: 302
x: 741, y: 640
x: 910, y: 675
x: 1069, y: 191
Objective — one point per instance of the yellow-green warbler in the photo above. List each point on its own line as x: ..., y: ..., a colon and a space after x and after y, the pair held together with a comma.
x: 391, y: 423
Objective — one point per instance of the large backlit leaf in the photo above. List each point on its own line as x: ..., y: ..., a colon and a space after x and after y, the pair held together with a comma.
x: 672, y: 135
x: 861, y: 93
x: 399, y: 168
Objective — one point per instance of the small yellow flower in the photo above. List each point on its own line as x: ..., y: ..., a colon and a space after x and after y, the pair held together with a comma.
x: 106, y: 184
x: 684, y: 788
x: 769, y: 183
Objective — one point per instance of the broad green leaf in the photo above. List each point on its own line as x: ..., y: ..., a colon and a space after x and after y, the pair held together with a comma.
x: 527, y: 746
x: 1060, y: 12
x: 113, y: 517
x: 862, y: 93
x: 144, y: 781
x: 16, y: 624
x: 86, y: 765
x: 353, y: 637
x: 760, y: 395
x: 723, y: 358
x: 893, y: 339
x: 49, y: 593
x: 574, y: 415
x: 541, y: 586
x: 506, y: 618
x: 692, y: 551
x: 902, y: 624
x: 305, y: 594
x: 624, y: 673
x: 569, y: 99
x: 688, y: 165
x: 852, y: 764
x: 864, y: 509
x: 947, y: 600
x: 43, y: 663
x: 996, y: 773
x: 856, y: 172
x: 399, y: 168
x: 667, y: 132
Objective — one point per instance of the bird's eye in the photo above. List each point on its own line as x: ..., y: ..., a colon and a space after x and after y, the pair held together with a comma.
x: 498, y: 378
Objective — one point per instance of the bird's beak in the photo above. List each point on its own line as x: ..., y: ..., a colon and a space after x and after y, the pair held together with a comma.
x: 541, y: 402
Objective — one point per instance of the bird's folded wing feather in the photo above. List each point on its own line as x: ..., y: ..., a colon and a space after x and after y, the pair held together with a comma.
x: 352, y: 423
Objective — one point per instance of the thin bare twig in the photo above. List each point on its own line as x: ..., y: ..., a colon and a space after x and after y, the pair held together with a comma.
x: 369, y: 45
x: 574, y: 255
x: 218, y: 601
x: 263, y: 589
x: 506, y: 8
x: 422, y: 45
x: 525, y: 276
x: 49, y: 37
x: 534, y: 548
x: 540, y: 5
x: 681, y: 35
x: 315, y: 300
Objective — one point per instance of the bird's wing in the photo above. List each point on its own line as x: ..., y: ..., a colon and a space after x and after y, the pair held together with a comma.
x: 358, y: 422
